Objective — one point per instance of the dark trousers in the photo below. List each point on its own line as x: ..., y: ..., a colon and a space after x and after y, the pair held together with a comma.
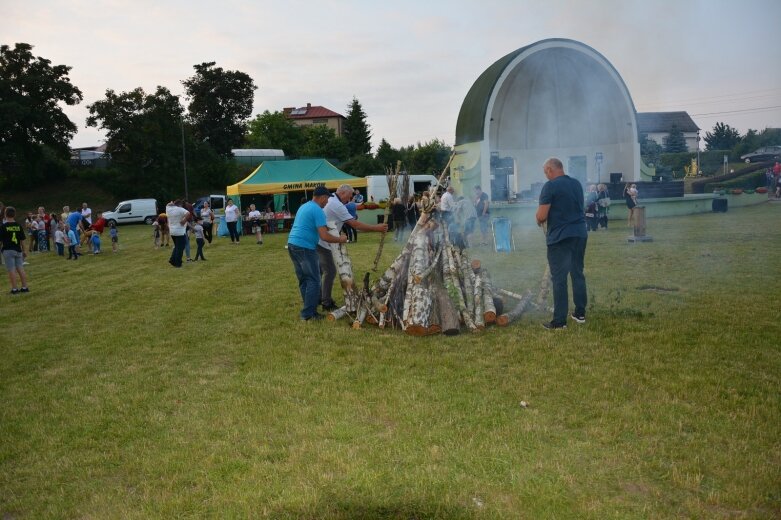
x: 592, y: 222
x: 565, y: 258
x: 72, y: 252
x: 328, y: 270
x: 199, y: 253
x: 352, y: 234
x: 60, y: 248
x: 307, y: 266
x: 207, y: 231
x: 176, y: 254
x: 232, y: 231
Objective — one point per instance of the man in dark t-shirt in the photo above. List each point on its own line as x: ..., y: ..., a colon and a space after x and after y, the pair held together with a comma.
x: 561, y: 212
x: 12, y: 242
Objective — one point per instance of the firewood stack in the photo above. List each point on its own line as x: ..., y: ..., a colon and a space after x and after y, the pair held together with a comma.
x: 431, y: 287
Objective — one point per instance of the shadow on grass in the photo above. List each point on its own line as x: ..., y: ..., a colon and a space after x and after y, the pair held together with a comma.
x: 344, y: 509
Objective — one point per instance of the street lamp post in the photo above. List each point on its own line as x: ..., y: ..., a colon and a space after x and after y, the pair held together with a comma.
x: 698, y: 153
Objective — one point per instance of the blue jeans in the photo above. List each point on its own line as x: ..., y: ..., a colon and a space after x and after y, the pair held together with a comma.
x: 307, y: 266
x: 565, y: 258
x: 176, y: 254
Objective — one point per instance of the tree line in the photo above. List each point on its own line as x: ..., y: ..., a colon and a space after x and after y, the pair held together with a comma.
x: 721, y: 138
x: 151, y: 136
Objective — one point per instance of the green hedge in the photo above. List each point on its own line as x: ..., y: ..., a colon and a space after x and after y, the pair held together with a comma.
x: 749, y: 181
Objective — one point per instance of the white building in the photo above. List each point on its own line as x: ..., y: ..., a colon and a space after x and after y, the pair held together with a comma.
x: 657, y: 126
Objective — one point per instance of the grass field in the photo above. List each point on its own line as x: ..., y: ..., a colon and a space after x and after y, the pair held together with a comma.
x: 133, y: 390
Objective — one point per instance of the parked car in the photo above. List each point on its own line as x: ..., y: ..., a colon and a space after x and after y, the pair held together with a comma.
x: 135, y: 210
x: 767, y: 153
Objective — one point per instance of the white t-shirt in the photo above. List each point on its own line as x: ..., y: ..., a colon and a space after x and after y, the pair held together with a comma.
x: 254, y: 215
x: 231, y: 213
x: 447, y: 203
x: 335, y: 212
x: 87, y: 214
x: 206, y: 214
x: 175, y: 216
x: 59, y: 237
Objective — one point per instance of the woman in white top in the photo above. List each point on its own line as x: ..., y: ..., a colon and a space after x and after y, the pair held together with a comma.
x: 231, y: 218
x: 208, y: 220
x: 254, y: 217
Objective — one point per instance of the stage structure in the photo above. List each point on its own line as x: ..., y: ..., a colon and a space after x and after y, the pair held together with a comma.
x: 555, y: 97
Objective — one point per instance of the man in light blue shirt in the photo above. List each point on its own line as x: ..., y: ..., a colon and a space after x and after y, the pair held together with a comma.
x: 308, y: 229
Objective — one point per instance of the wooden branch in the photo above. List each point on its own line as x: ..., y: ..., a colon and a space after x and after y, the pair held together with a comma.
x: 446, y: 313
x: 453, y: 286
x: 360, y: 318
x: 392, y: 180
x: 344, y: 267
x: 542, y: 295
x: 478, y: 301
x: 489, y: 309
x: 506, y: 319
x: 505, y: 292
x: 339, y: 313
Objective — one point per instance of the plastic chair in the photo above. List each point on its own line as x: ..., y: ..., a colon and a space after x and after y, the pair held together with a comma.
x: 502, y: 230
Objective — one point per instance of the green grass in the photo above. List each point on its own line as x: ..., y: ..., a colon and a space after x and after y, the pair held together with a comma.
x: 132, y: 390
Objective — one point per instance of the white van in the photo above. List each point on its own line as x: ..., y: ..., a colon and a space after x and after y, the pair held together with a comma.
x: 377, y: 186
x: 135, y: 210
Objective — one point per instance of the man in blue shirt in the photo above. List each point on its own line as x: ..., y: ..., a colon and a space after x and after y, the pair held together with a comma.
x: 561, y: 211
x: 308, y: 229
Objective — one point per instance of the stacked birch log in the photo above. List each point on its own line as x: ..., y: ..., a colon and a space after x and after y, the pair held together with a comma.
x: 431, y: 287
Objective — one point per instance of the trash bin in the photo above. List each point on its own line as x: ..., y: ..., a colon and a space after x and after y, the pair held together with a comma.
x: 719, y: 205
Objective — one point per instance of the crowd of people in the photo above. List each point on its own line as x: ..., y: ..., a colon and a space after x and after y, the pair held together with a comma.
x: 42, y: 232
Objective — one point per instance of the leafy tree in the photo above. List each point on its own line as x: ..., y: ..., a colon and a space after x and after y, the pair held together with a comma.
x: 34, y: 131
x: 769, y: 137
x: 430, y: 157
x: 144, y: 137
x: 356, y: 130
x: 723, y: 137
x: 220, y: 104
x: 363, y: 165
x: 650, y: 150
x: 322, y: 141
x: 748, y: 143
x: 386, y: 155
x: 675, y: 142
x: 275, y: 131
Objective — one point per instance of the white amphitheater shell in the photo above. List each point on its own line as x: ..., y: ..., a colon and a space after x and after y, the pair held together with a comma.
x: 553, y: 98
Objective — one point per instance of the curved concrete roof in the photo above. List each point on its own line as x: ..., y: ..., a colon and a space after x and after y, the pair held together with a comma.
x: 561, y: 86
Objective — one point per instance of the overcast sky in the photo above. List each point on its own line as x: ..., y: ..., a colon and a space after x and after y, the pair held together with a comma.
x: 410, y: 63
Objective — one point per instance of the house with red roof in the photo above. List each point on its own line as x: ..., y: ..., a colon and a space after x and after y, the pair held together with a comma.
x: 315, y: 115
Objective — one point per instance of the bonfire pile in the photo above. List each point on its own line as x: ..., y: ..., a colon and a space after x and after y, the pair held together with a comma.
x: 431, y: 287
